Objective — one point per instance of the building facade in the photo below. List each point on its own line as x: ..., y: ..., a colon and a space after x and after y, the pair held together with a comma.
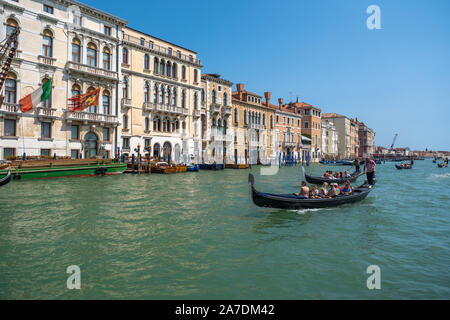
x: 330, y: 140
x: 342, y: 125
x: 366, y: 140
x: 217, y: 131
x: 75, y: 46
x: 160, y: 94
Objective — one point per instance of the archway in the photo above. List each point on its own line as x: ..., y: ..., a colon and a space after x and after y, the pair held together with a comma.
x: 156, y: 151
x: 90, y: 145
x: 167, y: 151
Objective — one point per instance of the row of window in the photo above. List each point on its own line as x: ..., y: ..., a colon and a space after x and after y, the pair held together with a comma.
x: 10, y: 128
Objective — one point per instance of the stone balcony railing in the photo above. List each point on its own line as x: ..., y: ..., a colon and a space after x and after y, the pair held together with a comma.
x: 185, y: 111
x: 257, y: 126
x: 197, y: 113
x: 227, y: 111
x: 148, y: 106
x: 289, y: 144
x: 85, y: 69
x: 10, y: 108
x: 215, y: 108
x: 221, y: 137
x: 47, y: 60
x: 126, y: 103
x: 92, y: 118
x: 46, y: 113
x: 169, y: 109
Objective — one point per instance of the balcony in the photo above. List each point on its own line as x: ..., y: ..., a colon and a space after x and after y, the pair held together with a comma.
x: 257, y: 126
x: 185, y: 111
x: 289, y: 144
x: 197, y: 113
x: 89, y: 70
x: 92, y: 118
x: 215, y: 108
x: 168, y: 109
x: 148, y: 106
x: 221, y: 137
x: 126, y: 103
x: 47, y: 61
x: 46, y: 113
x: 227, y: 111
x: 10, y: 109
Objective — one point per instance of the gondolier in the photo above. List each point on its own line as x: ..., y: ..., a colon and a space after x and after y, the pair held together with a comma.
x: 369, y: 169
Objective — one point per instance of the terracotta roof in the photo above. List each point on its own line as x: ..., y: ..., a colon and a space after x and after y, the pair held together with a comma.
x: 332, y: 115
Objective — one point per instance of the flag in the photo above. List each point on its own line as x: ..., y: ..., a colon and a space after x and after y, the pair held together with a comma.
x: 84, y: 101
x: 32, y: 100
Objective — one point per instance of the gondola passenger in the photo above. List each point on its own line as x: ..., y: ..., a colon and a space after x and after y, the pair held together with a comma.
x: 304, y: 191
x: 324, y: 191
x: 347, y: 190
x: 347, y: 174
x: 315, y: 192
x: 333, y: 192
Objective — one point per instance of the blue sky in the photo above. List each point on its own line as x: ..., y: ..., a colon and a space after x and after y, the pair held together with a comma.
x: 396, y: 80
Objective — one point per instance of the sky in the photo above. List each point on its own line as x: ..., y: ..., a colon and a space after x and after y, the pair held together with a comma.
x: 396, y: 79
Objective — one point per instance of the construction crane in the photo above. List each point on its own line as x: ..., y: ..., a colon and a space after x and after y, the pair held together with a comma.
x: 393, y: 142
x: 8, y: 50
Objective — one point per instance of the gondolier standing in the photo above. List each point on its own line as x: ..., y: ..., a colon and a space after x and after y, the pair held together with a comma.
x: 357, y: 164
x: 369, y: 169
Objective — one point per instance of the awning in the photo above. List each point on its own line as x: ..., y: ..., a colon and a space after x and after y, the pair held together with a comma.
x: 306, y: 138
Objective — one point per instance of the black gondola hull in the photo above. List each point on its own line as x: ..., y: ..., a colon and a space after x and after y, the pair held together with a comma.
x: 6, y: 179
x: 319, y: 180
x: 402, y: 168
x: 287, y: 201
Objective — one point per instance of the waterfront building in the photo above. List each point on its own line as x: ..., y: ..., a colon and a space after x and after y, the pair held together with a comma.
x: 366, y: 137
x: 342, y: 125
x: 354, y: 139
x: 217, y: 130
x: 160, y: 93
x: 74, y: 45
x: 287, y: 132
x: 252, y: 121
x: 330, y: 139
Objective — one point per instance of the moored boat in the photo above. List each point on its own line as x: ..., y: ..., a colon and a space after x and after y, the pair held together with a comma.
x: 192, y: 168
x: 213, y: 166
x: 181, y: 168
x: 163, y: 168
x: 403, y: 166
x: 321, y: 180
x: 293, y: 201
x: 25, y: 170
x: 442, y: 165
x: 6, y: 179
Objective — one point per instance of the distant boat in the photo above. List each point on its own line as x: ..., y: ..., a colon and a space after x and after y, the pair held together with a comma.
x: 403, y: 166
x: 321, y: 180
x: 193, y: 168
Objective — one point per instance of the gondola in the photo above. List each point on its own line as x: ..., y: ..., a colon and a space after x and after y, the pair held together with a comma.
x: 292, y: 201
x: 337, y: 163
x: 320, y: 180
x: 402, y: 167
x: 443, y: 165
x: 6, y: 179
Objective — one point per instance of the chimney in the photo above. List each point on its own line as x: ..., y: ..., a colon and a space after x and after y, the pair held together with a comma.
x: 240, y: 87
x: 280, y: 102
x: 268, y: 95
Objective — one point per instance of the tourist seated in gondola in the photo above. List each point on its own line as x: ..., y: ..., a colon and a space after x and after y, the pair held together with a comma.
x: 324, y: 191
x: 304, y: 191
x: 347, y: 189
x: 347, y: 175
x: 333, y: 192
x: 314, y: 194
x: 337, y: 175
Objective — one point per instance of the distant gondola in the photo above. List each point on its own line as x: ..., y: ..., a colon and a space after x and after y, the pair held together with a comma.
x: 6, y: 179
x: 443, y: 165
x: 337, y: 163
x: 292, y: 201
x: 321, y: 180
x: 402, y: 167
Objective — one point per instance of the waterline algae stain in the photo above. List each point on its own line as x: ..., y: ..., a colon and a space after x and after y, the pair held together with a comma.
x: 199, y: 236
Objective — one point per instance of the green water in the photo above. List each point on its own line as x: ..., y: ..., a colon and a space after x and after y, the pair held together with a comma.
x: 198, y: 236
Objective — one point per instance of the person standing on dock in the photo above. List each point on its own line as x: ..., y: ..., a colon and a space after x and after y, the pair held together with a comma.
x: 369, y: 169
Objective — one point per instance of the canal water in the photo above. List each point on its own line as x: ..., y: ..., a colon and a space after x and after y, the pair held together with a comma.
x: 198, y: 236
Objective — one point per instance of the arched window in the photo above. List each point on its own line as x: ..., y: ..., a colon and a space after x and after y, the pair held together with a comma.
x: 203, y: 95
x: 183, y: 72
x: 264, y: 120
x: 245, y: 117
x: 183, y: 99
x: 162, y: 67
x: 125, y: 55
x: 155, y: 65
x: 125, y: 88
x: 175, y: 96
x: 155, y: 94
x: 235, y: 115
x: 147, y: 124
x: 106, y: 59
x: 125, y: 121
x: 146, y: 62
x: 175, y: 70
x: 214, y: 97
x: 167, y: 98
x: 76, y: 50
x: 47, y: 43
x: 76, y: 90
x: 106, y: 102
x: 169, y: 69
x: 11, y: 24
x: 146, y: 92
x: 155, y: 124
x: 195, y: 75
x: 161, y: 95
x: 11, y: 88
x: 225, y: 99
x: 91, y: 109
x: 195, y: 101
x: 92, y: 55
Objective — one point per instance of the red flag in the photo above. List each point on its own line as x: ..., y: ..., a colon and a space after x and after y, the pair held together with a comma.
x: 83, y: 101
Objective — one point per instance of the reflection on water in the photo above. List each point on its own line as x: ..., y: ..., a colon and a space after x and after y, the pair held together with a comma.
x: 197, y: 235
